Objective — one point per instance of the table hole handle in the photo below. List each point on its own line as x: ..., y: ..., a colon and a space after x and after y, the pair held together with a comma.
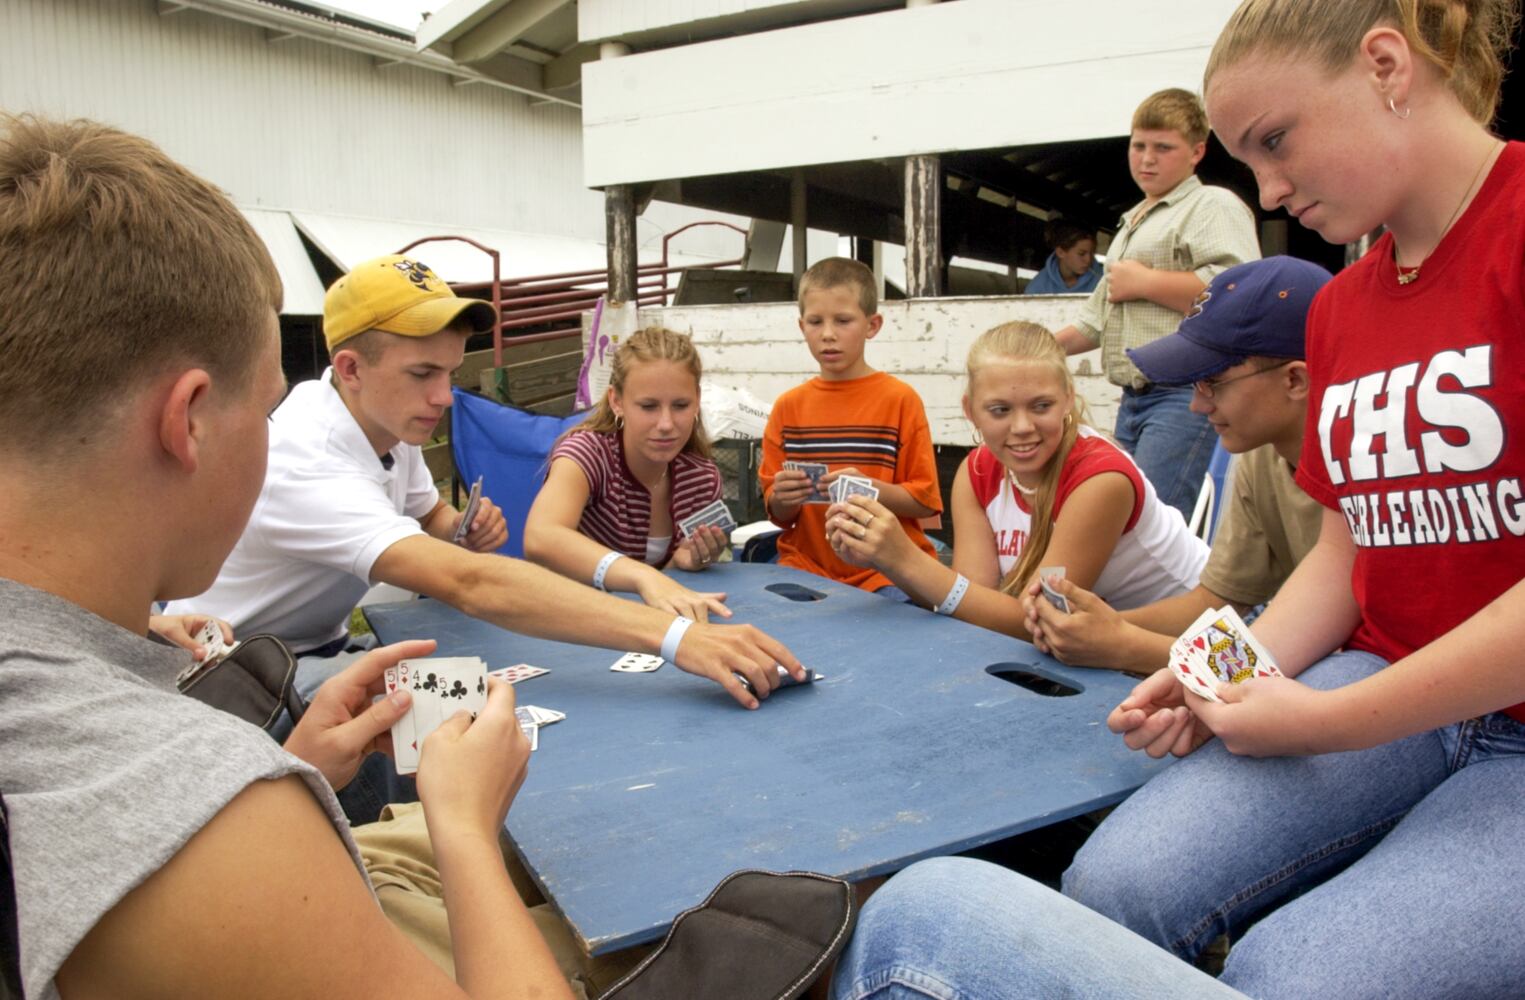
x: 795, y: 592
x: 1034, y: 679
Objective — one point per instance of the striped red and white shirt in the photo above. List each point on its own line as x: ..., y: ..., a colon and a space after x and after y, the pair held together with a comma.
x: 618, y: 513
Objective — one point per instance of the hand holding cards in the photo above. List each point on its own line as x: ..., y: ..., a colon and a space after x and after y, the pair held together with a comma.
x: 1046, y: 579
x: 852, y: 486
x: 813, y: 471
x: 210, y: 641
x: 440, y: 686
x: 1218, y: 648
x: 716, y: 513
x: 473, y: 502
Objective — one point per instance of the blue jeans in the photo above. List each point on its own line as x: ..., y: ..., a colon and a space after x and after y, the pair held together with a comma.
x: 1171, y: 444
x: 960, y: 929
x: 1393, y: 872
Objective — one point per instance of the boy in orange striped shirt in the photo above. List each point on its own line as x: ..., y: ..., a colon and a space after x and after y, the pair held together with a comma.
x: 852, y: 419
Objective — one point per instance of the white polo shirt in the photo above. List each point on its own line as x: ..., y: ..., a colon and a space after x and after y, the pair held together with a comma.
x: 327, y: 511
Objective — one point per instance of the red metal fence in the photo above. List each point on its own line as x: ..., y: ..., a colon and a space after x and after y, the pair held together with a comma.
x: 552, y: 304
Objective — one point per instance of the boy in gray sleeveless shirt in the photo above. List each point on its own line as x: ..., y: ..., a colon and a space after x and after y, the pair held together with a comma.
x: 161, y: 848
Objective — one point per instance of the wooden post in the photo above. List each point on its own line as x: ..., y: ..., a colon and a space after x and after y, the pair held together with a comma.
x: 619, y: 217
x: 619, y: 225
x: 797, y: 225
x: 871, y: 252
x: 923, y: 226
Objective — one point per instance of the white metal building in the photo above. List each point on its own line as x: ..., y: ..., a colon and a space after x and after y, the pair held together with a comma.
x: 335, y: 128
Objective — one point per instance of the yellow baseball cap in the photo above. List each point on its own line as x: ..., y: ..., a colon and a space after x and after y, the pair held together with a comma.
x: 399, y: 295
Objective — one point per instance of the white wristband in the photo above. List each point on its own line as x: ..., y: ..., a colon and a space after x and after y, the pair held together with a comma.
x: 673, y: 637
x: 955, y: 595
x: 609, y: 559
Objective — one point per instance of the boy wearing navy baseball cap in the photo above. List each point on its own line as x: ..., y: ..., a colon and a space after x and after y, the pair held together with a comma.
x: 1241, y: 349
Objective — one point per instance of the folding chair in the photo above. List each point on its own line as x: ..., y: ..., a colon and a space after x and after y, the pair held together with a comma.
x: 1204, y: 518
x: 508, y: 448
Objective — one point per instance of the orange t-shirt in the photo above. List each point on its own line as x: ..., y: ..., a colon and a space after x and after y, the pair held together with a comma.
x: 875, y: 424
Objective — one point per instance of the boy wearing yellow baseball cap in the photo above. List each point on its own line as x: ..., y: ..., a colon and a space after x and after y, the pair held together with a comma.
x: 348, y: 503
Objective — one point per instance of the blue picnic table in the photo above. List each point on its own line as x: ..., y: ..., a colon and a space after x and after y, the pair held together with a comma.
x: 926, y: 736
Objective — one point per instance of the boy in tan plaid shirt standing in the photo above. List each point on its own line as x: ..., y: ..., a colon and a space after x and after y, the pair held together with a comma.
x: 1167, y: 248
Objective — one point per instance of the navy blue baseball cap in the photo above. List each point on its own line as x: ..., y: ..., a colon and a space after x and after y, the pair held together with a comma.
x: 1257, y: 309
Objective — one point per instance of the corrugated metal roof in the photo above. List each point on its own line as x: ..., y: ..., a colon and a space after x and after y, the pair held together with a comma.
x: 304, y: 290
x: 349, y: 241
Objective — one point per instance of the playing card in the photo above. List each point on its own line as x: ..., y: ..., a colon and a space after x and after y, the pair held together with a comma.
x: 1225, y: 646
x: 815, y: 470
x: 518, y: 672
x: 441, y: 686
x: 1192, y: 674
x: 528, y: 726
x: 472, y: 503
x: 210, y: 641
x: 716, y: 513
x: 854, y: 486
x: 785, y: 679
x: 1046, y: 576
x: 404, y: 746
x: 542, y: 716
x: 463, y: 684
x: 637, y: 663
x: 848, y: 486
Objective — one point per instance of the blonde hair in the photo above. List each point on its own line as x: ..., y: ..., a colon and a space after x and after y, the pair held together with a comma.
x: 654, y: 343
x: 126, y: 264
x: 842, y: 272
x: 1464, y: 40
x: 1173, y: 108
x: 1019, y: 342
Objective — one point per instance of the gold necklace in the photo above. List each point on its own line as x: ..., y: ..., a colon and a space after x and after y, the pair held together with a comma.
x: 1410, y: 275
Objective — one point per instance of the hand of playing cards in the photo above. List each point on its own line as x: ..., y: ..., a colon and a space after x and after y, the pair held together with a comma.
x: 210, y: 641
x: 852, y: 486
x: 473, y: 501
x: 440, y: 686
x: 813, y: 471
x: 716, y: 513
x: 1218, y: 648
x: 1047, y: 576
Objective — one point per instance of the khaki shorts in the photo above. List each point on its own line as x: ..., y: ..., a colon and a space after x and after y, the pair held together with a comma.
x: 400, y: 861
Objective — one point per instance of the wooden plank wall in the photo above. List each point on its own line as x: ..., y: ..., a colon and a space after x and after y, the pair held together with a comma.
x: 924, y: 342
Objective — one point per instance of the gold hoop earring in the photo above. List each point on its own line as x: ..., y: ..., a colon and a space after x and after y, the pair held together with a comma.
x: 1393, y: 107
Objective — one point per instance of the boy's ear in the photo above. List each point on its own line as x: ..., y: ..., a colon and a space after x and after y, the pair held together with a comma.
x: 874, y: 323
x: 1197, y: 152
x: 346, y: 367
x: 1295, y: 378
x: 181, y: 417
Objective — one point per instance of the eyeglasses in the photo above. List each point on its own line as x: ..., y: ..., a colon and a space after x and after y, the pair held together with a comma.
x: 1209, y: 389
